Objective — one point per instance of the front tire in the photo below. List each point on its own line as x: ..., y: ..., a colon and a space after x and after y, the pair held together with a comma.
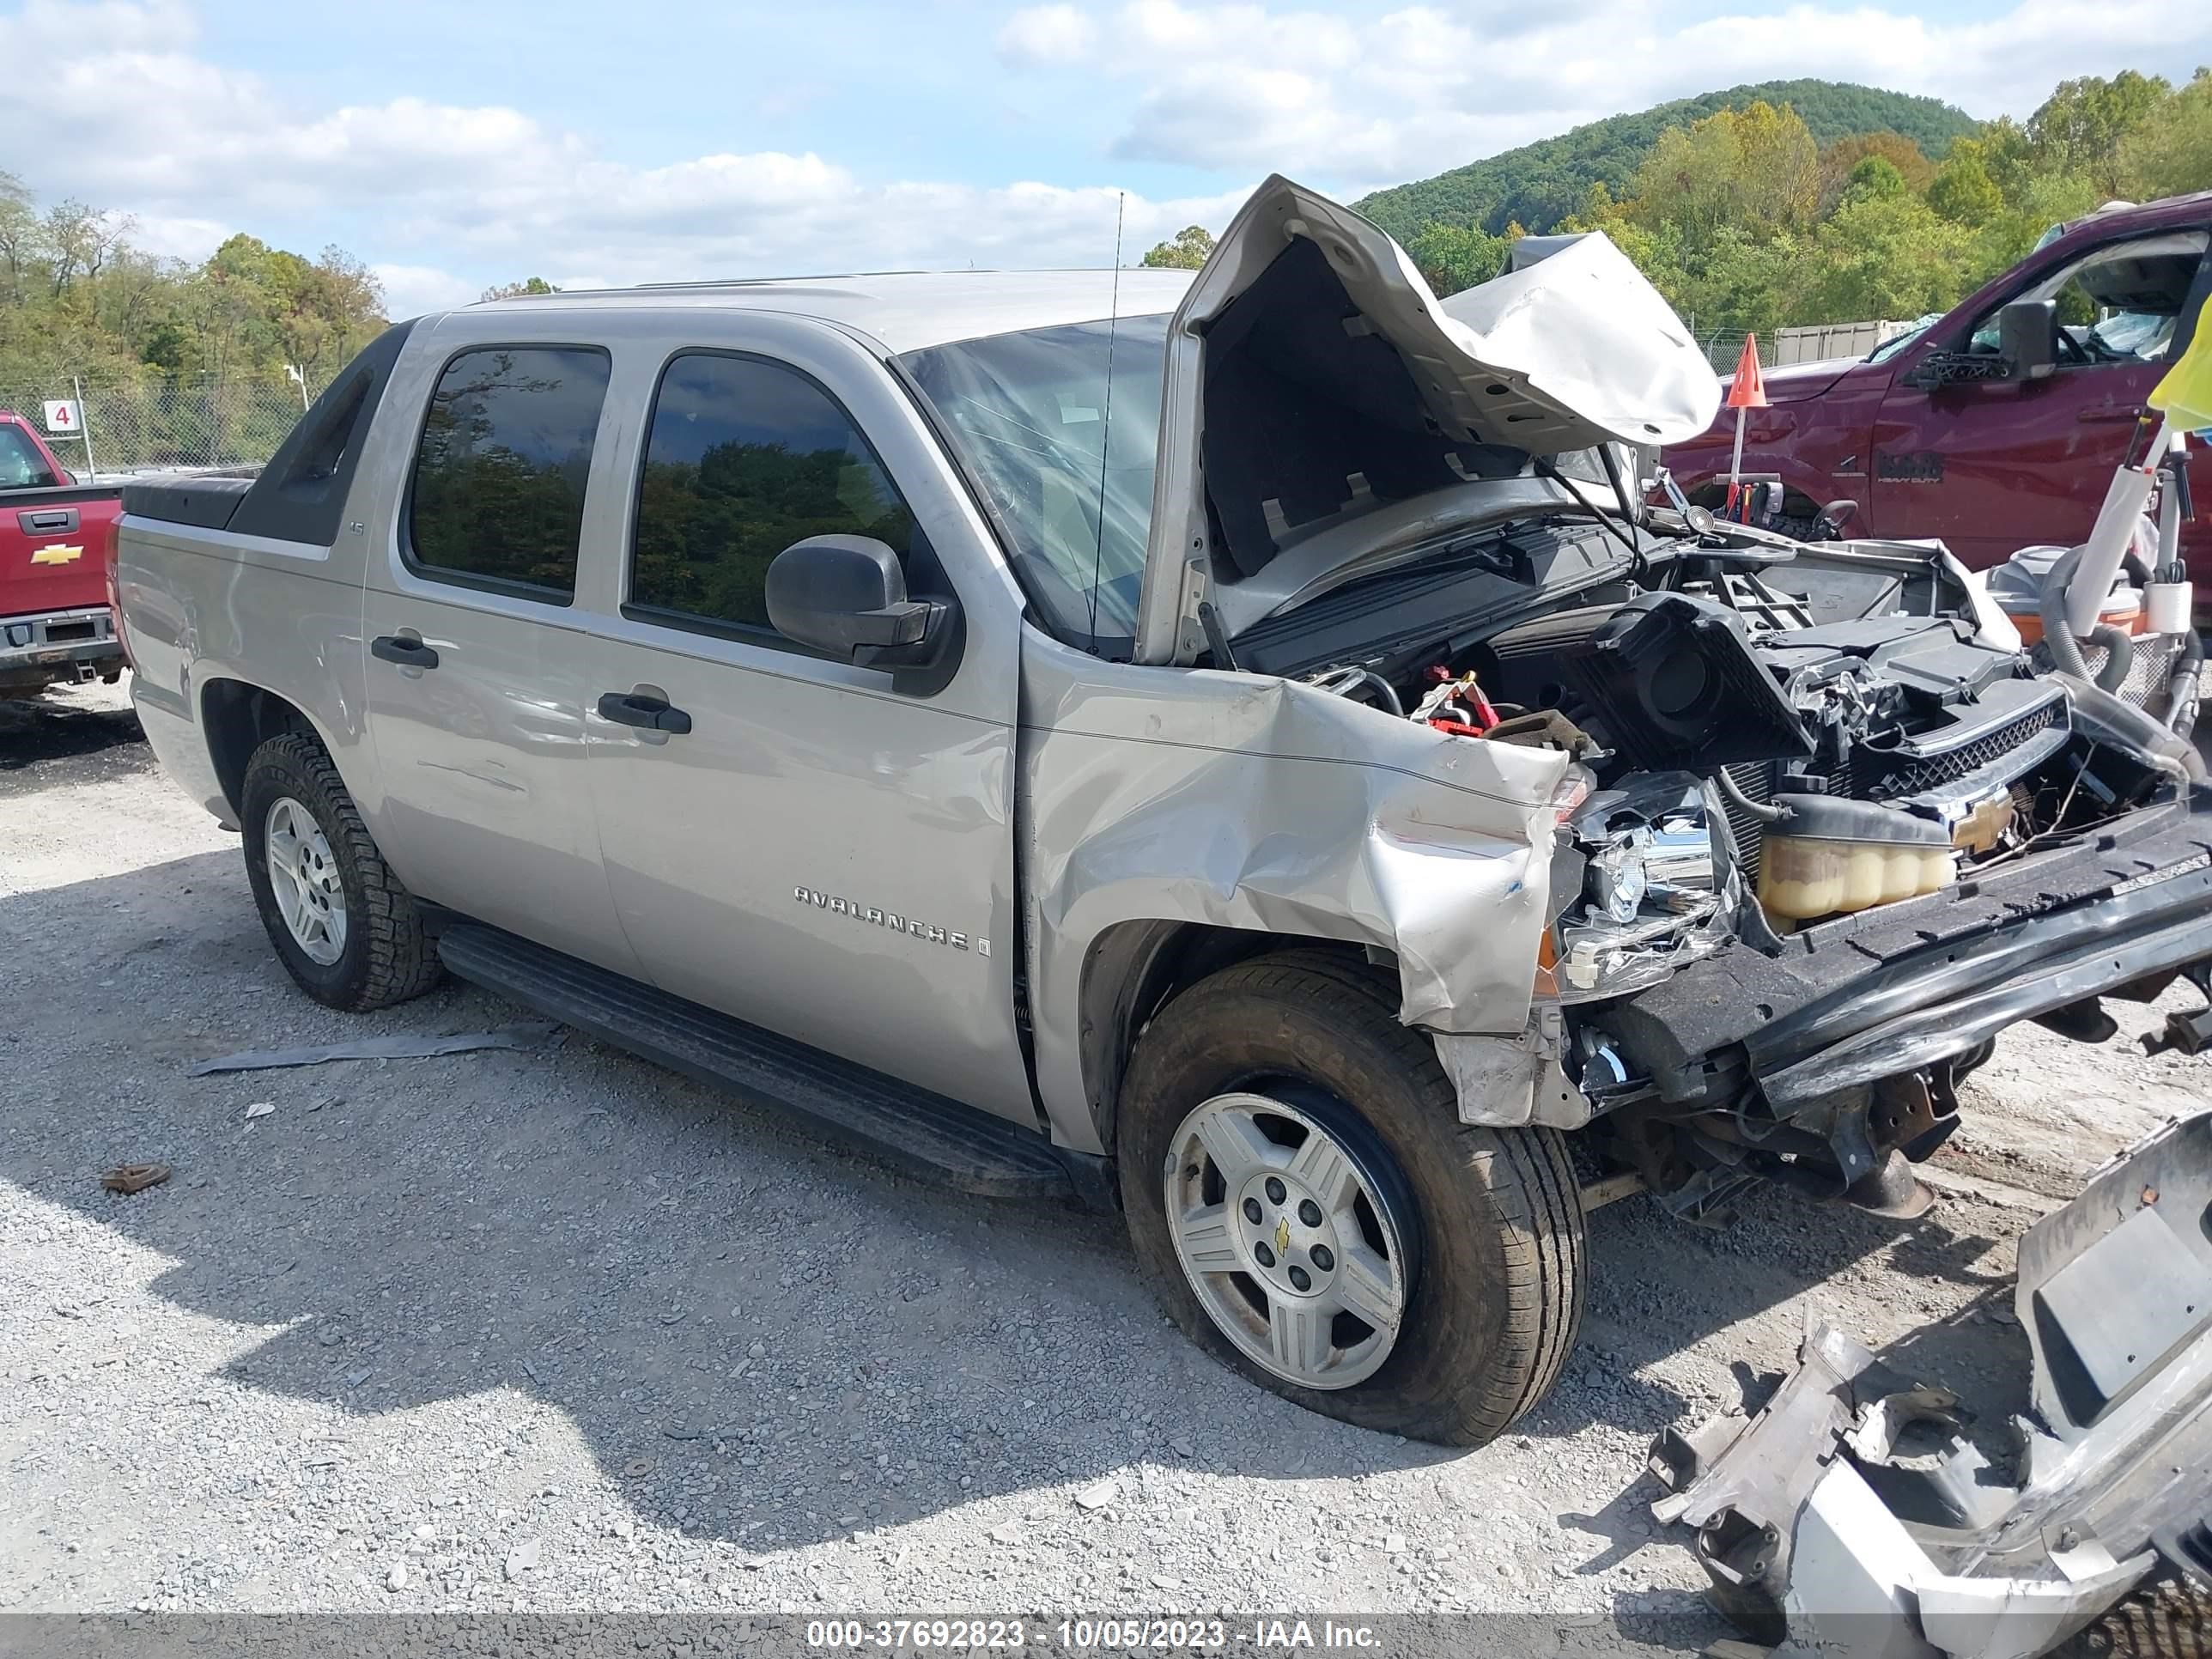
x: 349, y: 932
x: 1412, y: 1274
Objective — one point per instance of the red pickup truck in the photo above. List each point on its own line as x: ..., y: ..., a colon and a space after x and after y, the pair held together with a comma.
x: 1997, y: 425
x: 57, y: 540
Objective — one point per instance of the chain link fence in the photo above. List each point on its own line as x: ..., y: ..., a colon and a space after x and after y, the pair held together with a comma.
x: 155, y: 423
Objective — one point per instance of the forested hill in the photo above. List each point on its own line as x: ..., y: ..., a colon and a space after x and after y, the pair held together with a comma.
x: 1540, y: 183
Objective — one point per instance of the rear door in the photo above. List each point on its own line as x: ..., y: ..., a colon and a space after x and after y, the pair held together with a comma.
x: 476, y: 674
x: 1995, y: 466
x: 824, y: 852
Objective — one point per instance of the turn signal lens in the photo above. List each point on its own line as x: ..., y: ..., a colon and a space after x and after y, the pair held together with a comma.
x: 1572, y: 789
x: 1547, y: 958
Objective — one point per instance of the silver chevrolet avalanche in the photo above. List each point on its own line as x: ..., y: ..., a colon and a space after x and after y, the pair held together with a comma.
x: 1238, y: 749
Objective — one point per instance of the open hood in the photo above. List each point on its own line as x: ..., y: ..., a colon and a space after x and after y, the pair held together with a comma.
x: 1319, y: 396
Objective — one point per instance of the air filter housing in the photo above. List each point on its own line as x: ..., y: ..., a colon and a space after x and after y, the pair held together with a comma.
x: 1678, y: 687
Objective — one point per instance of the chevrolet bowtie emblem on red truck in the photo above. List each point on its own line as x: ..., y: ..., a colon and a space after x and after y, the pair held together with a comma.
x: 58, y: 553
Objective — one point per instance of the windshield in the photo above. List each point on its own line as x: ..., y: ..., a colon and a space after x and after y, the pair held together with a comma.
x: 21, y: 467
x: 1896, y: 343
x: 1027, y: 414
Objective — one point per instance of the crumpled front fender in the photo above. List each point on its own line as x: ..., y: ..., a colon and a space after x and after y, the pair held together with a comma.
x: 1248, y: 802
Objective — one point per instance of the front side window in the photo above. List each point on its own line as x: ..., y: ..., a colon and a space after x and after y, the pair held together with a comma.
x: 21, y: 467
x: 743, y: 457
x: 2117, y: 305
x: 498, y: 496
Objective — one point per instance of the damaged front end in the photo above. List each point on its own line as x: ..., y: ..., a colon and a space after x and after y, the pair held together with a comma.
x: 1854, y: 1515
x: 1821, y: 829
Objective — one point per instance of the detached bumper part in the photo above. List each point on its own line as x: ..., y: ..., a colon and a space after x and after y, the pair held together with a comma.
x: 1852, y: 1516
x: 1512, y: 1082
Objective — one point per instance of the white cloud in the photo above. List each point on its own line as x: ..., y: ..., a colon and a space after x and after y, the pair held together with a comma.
x: 470, y: 194
x: 129, y: 111
x: 1250, y: 86
x: 1047, y: 35
x: 410, y: 290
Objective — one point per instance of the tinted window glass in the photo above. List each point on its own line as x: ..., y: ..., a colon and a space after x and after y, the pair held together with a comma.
x: 21, y: 467
x: 498, y: 492
x: 745, y: 457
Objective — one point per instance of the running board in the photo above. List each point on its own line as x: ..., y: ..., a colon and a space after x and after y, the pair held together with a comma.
x: 925, y: 1135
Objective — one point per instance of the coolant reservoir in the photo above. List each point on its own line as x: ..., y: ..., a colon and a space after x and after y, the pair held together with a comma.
x: 2017, y: 587
x: 1831, y: 856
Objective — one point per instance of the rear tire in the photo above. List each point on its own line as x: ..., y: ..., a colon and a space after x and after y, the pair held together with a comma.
x: 1493, y: 1247
x: 373, y: 952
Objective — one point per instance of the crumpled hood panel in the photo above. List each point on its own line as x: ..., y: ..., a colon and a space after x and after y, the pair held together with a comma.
x: 1575, y: 350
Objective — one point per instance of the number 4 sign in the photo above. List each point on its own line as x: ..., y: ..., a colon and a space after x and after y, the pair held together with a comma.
x: 63, y: 416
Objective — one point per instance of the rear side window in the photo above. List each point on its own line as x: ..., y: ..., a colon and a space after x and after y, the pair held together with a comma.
x: 746, y: 457
x: 498, y: 496
x: 21, y: 467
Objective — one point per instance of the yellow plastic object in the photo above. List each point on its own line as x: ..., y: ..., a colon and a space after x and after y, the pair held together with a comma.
x: 2184, y: 396
x: 1800, y: 879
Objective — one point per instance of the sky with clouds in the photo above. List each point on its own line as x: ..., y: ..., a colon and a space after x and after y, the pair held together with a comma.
x: 453, y: 146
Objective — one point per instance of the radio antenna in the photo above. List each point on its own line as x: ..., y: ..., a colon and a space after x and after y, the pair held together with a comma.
x: 1106, y: 421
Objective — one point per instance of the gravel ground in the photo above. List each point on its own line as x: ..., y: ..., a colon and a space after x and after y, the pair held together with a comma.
x: 559, y: 1330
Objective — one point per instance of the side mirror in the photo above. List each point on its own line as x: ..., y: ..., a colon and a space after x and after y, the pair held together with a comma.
x: 2027, y: 338
x: 845, y: 596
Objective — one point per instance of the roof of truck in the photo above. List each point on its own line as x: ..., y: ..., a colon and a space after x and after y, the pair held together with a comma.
x: 908, y: 310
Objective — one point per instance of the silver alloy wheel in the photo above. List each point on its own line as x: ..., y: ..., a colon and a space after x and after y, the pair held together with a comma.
x: 303, y: 879
x: 1283, y: 1232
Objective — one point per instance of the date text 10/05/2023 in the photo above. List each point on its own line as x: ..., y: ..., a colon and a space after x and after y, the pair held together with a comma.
x: 1104, y: 1635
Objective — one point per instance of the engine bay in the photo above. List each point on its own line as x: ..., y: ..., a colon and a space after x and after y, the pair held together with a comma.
x: 1741, y: 769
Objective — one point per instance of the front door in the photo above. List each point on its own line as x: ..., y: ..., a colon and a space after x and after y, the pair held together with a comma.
x: 1992, y: 466
x: 815, y: 849
x: 476, y: 674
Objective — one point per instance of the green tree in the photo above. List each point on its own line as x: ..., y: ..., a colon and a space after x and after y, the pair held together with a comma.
x: 1187, y: 252
x: 1886, y: 256
x: 516, y: 290
x: 1875, y: 175
x: 1757, y: 168
x: 2169, y: 152
x: 1543, y: 184
x: 77, y: 297
x: 22, y: 242
x: 1455, y: 256
x: 1962, y: 190
x: 1838, y: 160
x: 2081, y: 127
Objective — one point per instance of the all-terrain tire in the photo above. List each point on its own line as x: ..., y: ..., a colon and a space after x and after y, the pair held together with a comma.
x: 388, y: 956
x: 1499, y: 1300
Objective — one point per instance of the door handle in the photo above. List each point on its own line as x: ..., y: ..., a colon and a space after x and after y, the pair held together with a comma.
x: 408, y: 654
x: 648, y: 714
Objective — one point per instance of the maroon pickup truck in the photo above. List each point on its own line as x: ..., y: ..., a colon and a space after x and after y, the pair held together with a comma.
x: 1996, y: 426
x: 57, y: 540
